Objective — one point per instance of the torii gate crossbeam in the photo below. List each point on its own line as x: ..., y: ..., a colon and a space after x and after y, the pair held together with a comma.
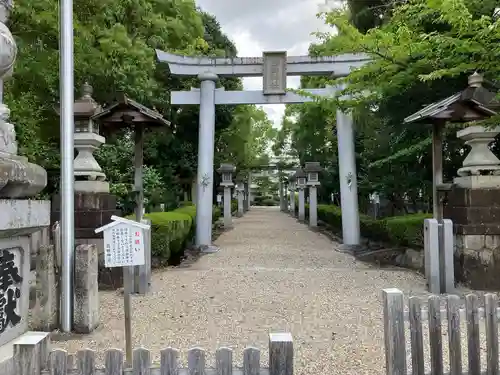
x: 274, y: 67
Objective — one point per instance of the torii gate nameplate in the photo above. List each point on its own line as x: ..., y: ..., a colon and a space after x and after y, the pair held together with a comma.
x: 274, y: 73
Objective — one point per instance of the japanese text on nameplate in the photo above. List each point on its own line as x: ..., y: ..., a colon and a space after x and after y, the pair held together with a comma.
x: 123, y: 246
x: 10, y: 290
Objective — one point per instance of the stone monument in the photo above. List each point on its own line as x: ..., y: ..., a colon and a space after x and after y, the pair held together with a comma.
x: 20, y: 216
x: 94, y: 205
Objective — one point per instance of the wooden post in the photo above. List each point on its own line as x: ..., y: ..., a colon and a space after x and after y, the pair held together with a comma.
x: 280, y: 354
x: 31, y: 352
x: 394, y: 332
x: 437, y: 168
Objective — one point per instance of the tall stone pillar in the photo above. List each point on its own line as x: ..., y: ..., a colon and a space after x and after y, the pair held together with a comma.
x: 282, y: 196
x: 226, y: 170
x: 239, y: 194
x: 302, y: 211
x: 300, y: 178
x: 204, y: 192
x: 250, y: 198
x: 291, y: 184
x: 348, y: 180
x: 246, y: 195
x: 21, y: 216
x: 312, y: 169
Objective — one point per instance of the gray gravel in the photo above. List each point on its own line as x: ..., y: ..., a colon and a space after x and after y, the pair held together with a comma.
x: 272, y: 274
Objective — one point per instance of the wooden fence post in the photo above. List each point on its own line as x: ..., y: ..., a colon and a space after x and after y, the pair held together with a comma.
x: 394, y: 332
x: 280, y: 354
x: 31, y: 352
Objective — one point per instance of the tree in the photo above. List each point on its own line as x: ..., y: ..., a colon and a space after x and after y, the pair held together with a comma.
x: 114, y: 51
x: 422, y: 51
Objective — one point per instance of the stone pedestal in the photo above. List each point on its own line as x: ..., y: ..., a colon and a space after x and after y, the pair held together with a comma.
x: 240, y: 203
x: 246, y: 196
x: 292, y: 202
x: 476, y: 217
x: 228, y: 221
x: 313, y: 206
x: 18, y: 220
x: 86, y: 298
x: 93, y: 210
x: 302, y: 211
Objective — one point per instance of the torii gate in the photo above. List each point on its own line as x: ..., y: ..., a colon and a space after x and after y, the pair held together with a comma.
x: 274, y: 67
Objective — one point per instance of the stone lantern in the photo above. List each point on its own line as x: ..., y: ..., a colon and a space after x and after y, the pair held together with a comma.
x: 89, y: 177
x: 94, y: 205
x: 312, y: 169
x: 226, y: 171
x: 300, y: 177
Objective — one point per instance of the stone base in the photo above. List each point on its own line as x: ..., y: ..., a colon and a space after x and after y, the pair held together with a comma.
x: 92, y: 187
x: 477, y: 182
x: 92, y: 210
x: 477, y: 261
x: 209, y: 249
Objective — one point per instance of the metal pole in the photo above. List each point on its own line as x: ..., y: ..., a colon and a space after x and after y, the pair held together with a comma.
x: 129, y: 272
x: 67, y: 157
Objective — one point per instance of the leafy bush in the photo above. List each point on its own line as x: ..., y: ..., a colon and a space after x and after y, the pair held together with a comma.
x: 404, y: 230
x: 234, y: 205
x: 169, y: 233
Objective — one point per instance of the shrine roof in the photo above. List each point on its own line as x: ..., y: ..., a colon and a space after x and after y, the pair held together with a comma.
x: 480, y: 100
x: 124, y: 103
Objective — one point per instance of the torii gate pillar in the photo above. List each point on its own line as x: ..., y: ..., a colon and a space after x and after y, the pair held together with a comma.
x: 206, y: 140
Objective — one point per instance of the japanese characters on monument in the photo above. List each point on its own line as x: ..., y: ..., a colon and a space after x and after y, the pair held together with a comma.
x: 10, y: 290
x: 124, y: 246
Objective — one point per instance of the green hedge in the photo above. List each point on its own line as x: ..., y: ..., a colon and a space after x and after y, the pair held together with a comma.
x: 404, y: 230
x: 171, y: 231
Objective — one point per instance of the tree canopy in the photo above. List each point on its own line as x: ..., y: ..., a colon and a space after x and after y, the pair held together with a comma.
x: 115, y: 44
x: 422, y: 51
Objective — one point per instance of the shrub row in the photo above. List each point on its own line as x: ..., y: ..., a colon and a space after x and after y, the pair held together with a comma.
x: 404, y: 230
x: 172, y: 231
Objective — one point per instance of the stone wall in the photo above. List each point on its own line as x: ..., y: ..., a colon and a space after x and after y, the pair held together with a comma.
x: 476, y: 220
x: 477, y: 260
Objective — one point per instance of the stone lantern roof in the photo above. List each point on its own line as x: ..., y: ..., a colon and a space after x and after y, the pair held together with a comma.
x: 300, y: 173
x: 85, y: 106
x: 475, y: 103
x: 313, y: 167
x: 226, y: 168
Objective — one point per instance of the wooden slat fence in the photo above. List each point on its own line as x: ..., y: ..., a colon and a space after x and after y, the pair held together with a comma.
x: 84, y: 361
x: 399, y: 321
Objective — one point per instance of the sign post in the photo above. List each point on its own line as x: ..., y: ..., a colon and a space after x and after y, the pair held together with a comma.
x: 124, y: 247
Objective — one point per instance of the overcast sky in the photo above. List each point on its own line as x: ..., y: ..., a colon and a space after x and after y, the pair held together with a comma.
x: 267, y: 25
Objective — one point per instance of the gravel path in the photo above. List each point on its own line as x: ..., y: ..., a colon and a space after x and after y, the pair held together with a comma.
x: 272, y: 274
